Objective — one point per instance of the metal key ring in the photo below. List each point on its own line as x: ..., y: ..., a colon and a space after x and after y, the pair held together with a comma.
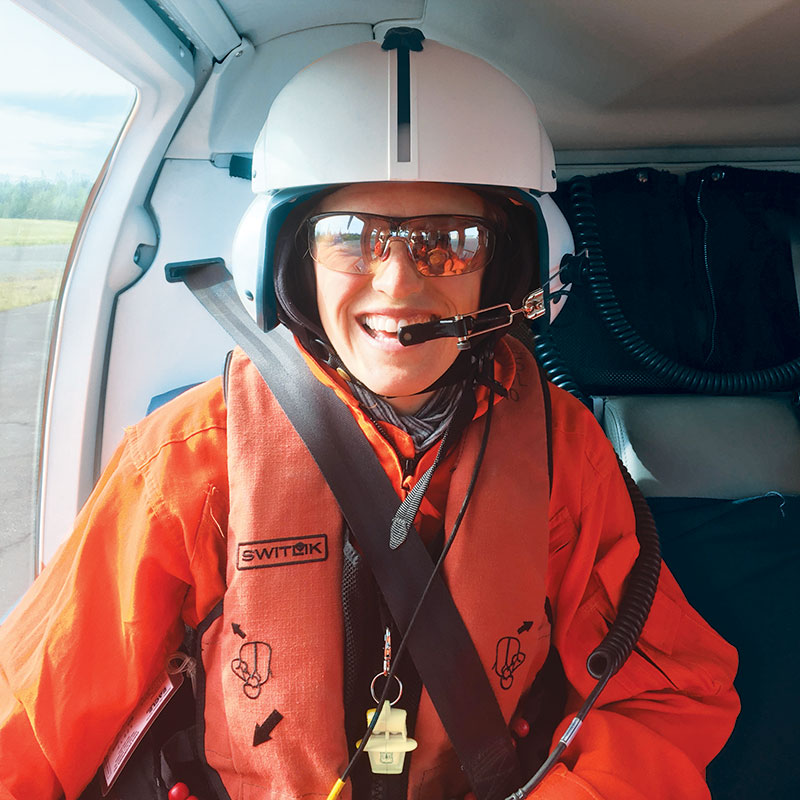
x: 399, y: 687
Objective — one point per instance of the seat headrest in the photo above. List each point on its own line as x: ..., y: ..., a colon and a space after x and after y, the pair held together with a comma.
x: 701, y: 446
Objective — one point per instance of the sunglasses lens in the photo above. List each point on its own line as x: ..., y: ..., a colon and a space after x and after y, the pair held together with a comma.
x: 441, y: 246
x: 444, y: 246
x: 334, y: 241
x: 378, y: 236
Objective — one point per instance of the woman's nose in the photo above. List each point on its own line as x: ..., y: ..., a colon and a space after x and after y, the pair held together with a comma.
x: 397, y: 274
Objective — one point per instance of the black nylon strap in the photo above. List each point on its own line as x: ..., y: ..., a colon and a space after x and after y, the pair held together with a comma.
x: 439, y: 641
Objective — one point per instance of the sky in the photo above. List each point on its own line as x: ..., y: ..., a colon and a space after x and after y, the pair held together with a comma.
x: 60, y: 109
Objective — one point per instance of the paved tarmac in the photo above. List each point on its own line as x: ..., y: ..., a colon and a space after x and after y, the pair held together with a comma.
x: 32, y: 260
x: 24, y: 345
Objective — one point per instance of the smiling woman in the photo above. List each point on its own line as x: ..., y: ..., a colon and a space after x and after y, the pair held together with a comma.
x: 60, y: 115
x: 360, y: 313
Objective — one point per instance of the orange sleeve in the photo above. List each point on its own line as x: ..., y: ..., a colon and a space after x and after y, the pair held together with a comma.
x: 670, y: 709
x: 146, y: 554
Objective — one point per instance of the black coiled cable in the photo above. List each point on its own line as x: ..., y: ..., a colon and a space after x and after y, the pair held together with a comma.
x: 551, y: 361
x: 607, y: 658
x: 615, y: 648
x: 587, y: 237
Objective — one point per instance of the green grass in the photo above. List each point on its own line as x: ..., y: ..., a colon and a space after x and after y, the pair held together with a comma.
x: 18, y: 292
x: 23, y: 232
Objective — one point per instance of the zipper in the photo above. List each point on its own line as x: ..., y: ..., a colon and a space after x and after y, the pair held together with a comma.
x: 388, y: 439
x: 409, y: 467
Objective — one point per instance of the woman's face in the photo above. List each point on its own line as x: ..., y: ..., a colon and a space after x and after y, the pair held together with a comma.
x: 361, y: 313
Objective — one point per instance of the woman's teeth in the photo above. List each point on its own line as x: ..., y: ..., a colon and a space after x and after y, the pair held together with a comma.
x: 390, y: 325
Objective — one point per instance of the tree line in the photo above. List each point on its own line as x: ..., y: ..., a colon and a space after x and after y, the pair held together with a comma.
x: 40, y: 198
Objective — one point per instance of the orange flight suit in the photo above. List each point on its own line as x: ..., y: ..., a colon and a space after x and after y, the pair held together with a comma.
x: 148, y: 555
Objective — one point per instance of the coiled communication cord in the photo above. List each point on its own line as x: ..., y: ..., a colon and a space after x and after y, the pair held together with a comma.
x: 587, y: 237
x: 551, y: 361
x: 613, y: 651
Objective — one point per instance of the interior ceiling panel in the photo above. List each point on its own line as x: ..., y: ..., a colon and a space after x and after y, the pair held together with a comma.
x: 262, y: 20
x: 621, y: 73
x: 643, y: 73
x: 756, y: 65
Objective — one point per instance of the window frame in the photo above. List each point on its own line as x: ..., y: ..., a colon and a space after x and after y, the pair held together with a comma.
x: 133, y: 41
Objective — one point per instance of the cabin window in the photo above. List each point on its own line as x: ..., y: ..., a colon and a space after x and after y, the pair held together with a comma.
x: 61, y: 112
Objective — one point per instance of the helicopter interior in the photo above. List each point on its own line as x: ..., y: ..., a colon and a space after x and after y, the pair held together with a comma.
x: 676, y: 129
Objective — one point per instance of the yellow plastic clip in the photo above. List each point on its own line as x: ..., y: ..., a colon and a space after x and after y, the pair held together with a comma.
x: 389, y: 743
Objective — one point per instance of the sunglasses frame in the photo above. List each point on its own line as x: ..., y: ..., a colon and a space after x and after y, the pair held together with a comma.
x: 398, y: 228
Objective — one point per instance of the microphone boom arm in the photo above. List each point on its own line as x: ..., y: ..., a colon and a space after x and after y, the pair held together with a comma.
x: 464, y: 326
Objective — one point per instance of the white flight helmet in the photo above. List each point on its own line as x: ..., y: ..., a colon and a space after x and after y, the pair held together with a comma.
x: 408, y: 110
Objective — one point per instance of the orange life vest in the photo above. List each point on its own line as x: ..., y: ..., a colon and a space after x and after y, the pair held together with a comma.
x: 273, y: 650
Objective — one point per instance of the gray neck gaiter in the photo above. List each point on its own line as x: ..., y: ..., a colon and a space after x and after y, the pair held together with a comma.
x: 426, y: 425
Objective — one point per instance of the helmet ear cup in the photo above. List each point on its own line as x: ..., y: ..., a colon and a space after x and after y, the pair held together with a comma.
x: 536, y: 236
x: 248, y: 262
x: 560, y: 243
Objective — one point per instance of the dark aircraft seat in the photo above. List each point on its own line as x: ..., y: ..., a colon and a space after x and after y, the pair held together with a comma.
x: 722, y: 477
x: 683, y: 332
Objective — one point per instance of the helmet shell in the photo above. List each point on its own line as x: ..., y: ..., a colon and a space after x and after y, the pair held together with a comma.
x: 336, y: 122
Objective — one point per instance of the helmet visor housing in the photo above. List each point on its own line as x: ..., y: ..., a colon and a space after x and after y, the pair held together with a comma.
x: 440, y: 246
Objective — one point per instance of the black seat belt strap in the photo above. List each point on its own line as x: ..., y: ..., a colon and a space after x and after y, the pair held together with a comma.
x: 439, y: 642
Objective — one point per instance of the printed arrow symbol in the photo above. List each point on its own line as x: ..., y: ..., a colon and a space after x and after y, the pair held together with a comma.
x: 526, y: 626
x: 237, y: 630
x: 263, y: 731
